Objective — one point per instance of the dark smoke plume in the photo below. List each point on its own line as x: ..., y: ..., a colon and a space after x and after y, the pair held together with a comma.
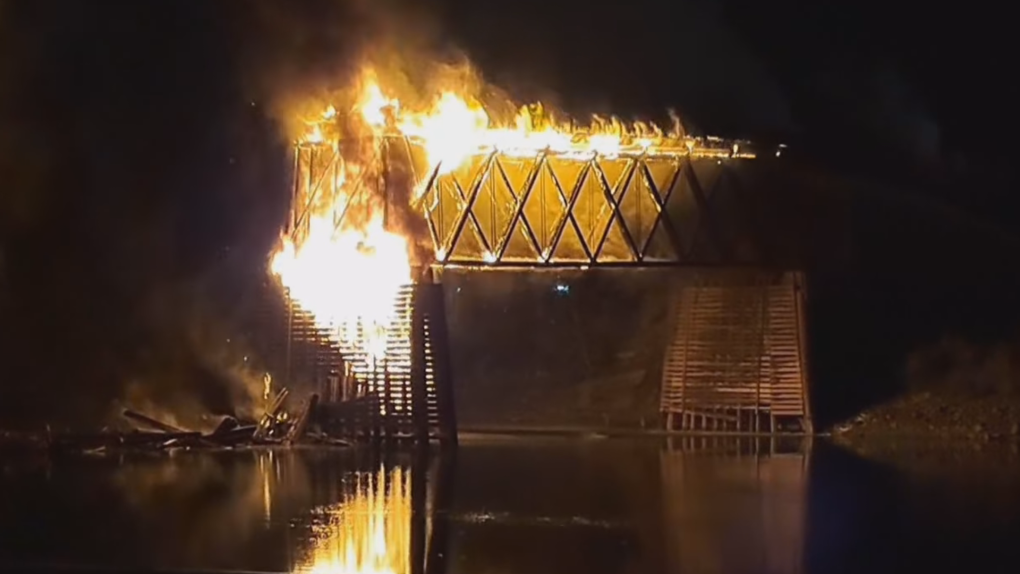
x: 129, y: 165
x: 295, y: 57
x: 143, y: 169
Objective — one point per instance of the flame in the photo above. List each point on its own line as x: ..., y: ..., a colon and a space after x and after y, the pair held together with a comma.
x: 348, y: 277
x: 455, y: 125
x: 374, y: 105
x: 370, y: 533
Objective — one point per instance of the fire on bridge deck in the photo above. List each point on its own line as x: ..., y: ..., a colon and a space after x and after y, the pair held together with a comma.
x: 549, y: 209
x: 736, y: 359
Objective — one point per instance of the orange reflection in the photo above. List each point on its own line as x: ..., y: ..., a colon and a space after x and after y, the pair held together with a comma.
x: 370, y: 532
x: 735, y: 505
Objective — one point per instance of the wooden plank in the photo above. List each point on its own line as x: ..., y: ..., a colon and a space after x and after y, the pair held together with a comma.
x: 297, y: 432
x: 151, y: 422
x: 734, y: 348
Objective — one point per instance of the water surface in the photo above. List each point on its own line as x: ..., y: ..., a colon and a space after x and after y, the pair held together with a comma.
x: 507, y: 506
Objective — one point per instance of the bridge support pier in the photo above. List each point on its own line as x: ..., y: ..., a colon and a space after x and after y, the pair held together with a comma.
x: 736, y: 360
x: 407, y: 395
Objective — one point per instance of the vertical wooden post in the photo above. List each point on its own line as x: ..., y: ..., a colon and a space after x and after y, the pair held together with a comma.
x: 295, y: 181
x: 763, y: 347
x: 287, y: 374
x: 799, y: 294
x: 418, y: 386
x: 387, y: 399
x: 376, y: 390
x: 687, y: 325
x: 442, y: 369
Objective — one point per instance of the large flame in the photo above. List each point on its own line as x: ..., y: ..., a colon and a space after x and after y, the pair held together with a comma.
x: 456, y: 126
x: 348, y: 277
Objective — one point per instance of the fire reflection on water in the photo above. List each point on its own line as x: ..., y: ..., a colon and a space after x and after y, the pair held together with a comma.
x: 735, y: 505
x: 265, y: 471
x: 369, y: 532
x: 514, y: 506
x: 337, y: 513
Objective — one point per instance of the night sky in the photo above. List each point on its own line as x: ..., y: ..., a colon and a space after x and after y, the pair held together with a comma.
x: 143, y: 171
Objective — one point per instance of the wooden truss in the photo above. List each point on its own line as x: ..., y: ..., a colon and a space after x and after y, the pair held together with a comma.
x: 551, y: 209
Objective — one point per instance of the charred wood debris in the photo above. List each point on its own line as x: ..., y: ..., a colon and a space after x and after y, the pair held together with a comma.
x: 277, y: 427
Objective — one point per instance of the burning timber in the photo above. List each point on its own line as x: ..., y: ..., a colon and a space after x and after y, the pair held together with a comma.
x: 277, y: 427
x: 396, y: 391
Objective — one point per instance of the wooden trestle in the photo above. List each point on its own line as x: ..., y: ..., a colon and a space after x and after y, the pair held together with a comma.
x: 406, y: 395
x: 736, y: 358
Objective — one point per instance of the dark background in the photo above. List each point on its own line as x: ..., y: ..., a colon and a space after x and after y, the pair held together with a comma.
x: 143, y: 173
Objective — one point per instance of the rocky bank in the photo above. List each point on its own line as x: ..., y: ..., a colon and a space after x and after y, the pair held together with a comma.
x: 937, y: 415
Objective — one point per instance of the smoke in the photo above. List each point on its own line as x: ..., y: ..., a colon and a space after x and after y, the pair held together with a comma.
x: 128, y: 164
x: 296, y: 58
x: 140, y: 143
x: 301, y: 59
x: 197, y: 368
x: 899, y: 110
x: 957, y: 366
x: 874, y: 102
x: 25, y: 157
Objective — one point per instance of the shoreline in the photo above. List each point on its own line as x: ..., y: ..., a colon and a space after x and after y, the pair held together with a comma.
x: 582, y: 431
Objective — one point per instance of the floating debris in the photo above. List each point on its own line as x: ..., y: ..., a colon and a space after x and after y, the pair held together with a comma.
x: 275, y: 427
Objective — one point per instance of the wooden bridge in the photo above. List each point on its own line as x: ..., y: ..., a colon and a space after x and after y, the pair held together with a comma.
x: 737, y: 356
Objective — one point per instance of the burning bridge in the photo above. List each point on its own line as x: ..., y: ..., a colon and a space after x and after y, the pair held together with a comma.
x: 736, y: 356
x: 564, y: 210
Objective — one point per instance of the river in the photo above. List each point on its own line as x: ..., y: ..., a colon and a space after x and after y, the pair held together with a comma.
x: 506, y: 506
